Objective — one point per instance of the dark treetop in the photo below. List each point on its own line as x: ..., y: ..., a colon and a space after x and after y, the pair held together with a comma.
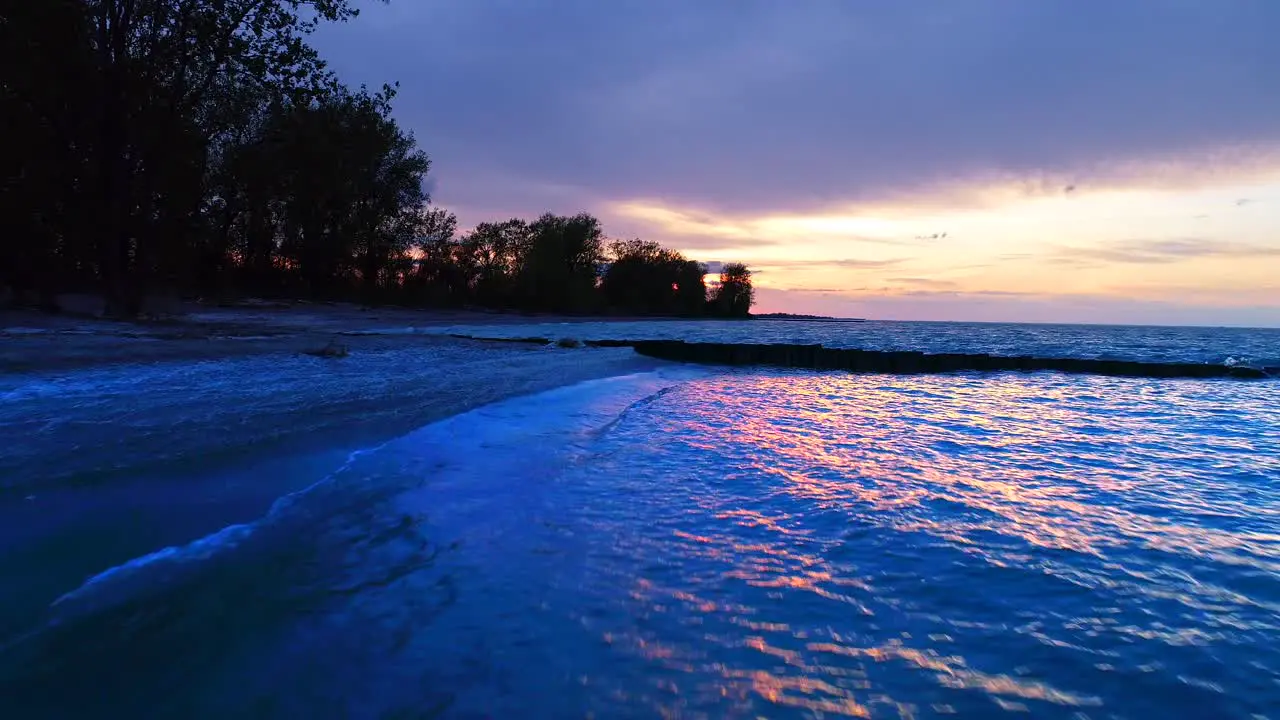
x: 202, y: 148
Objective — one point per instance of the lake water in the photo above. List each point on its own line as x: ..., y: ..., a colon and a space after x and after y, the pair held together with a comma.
x: 695, y: 542
x: 1258, y: 347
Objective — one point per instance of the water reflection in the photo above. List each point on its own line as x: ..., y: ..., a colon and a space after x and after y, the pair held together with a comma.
x: 917, y: 547
x: 783, y: 545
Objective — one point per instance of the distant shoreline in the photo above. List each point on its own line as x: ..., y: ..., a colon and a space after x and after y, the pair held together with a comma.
x: 33, y: 341
x: 806, y: 318
x: 78, y: 337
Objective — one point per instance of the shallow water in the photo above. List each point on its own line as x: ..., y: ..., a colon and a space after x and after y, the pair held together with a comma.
x: 695, y: 543
x: 102, y: 465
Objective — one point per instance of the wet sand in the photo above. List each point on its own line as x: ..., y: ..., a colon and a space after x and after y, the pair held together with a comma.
x: 119, y: 439
x: 33, y: 341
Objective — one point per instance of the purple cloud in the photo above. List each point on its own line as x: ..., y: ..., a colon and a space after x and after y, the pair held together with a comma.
x: 1157, y: 252
x: 738, y: 106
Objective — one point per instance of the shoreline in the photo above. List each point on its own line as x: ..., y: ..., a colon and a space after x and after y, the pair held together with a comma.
x: 118, y: 445
x: 34, y: 342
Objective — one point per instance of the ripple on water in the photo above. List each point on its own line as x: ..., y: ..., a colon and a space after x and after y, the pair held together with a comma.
x: 743, y: 544
x: 867, y: 547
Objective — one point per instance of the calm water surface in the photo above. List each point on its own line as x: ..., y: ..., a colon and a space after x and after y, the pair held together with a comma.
x: 696, y: 543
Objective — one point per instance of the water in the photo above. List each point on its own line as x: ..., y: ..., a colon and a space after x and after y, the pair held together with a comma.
x: 690, y: 542
x: 1259, y: 347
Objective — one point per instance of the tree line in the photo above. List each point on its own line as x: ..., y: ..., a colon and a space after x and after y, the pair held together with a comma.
x: 202, y: 147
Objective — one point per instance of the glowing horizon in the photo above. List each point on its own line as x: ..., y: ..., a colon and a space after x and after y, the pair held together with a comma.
x: 1215, y: 245
x: 1088, y: 162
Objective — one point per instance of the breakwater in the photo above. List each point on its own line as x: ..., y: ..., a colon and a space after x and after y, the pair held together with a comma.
x: 906, y: 362
x: 903, y: 362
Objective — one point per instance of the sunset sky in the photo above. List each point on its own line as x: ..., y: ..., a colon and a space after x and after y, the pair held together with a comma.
x: 1056, y: 160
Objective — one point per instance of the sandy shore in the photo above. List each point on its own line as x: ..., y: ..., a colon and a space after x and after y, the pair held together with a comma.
x: 119, y: 439
x: 31, y: 341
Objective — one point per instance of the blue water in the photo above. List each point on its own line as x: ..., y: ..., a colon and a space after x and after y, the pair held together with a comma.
x: 1251, y: 346
x: 690, y: 542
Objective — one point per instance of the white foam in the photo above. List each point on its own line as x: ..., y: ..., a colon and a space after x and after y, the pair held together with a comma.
x: 205, y: 547
x: 225, y: 539
x: 388, y: 331
x: 472, y: 446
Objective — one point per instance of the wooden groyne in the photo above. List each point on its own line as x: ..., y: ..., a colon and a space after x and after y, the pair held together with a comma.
x: 906, y: 362
x: 902, y: 362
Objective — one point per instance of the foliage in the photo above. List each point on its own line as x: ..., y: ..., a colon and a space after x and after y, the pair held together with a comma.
x: 645, y: 278
x: 142, y: 114
x: 735, y: 294
x: 202, y: 147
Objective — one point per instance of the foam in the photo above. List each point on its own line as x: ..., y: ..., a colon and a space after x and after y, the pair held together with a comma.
x: 493, y: 441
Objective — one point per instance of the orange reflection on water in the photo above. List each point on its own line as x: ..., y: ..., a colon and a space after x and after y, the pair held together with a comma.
x: 802, y: 692
x: 952, y: 672
x: 842, y: 509
x: 890, y: 450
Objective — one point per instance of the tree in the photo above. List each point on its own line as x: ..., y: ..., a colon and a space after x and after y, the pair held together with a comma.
x: 691, y: 288
x: 496, y: 250
x: 44, y: 51
x: 561, y: 262
x: 139, y: 101
x: 201, y: 146
x: 644, y: 278
x: 734, y: 296
x: 164, y: 68
x: 433, y: 279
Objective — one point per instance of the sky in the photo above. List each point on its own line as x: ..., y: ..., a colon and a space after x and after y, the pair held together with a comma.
x: 1108, y: 161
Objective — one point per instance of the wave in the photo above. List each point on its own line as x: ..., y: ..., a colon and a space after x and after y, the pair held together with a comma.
x: 122, y: 580
x: 466, y: 446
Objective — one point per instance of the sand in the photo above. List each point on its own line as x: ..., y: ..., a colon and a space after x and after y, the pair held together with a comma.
x: 32, y: 341
x: 118, y: 439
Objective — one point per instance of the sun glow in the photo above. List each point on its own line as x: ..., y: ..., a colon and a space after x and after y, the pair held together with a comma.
x: 1218, y: 245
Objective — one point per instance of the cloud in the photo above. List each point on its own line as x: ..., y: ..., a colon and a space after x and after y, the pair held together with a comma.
x: 1219, y: 296
x: 827, y: 128
x: 925, y: 283
x: 819, y: 291
x: 801, y: 275
x: 970, y: 294
x: 1155, y: 252
x: 697, y: 230
x: 768, y: 107
x: 844, y: 264
x: 710, y: 230
x: 1030, y: 307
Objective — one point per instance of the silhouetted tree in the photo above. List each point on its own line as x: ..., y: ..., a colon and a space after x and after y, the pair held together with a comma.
x: 432, y: 280
x: 162, y: 70
x: 560, y: 264
x: 201, y: 146
x: 691, y: 288
x: 496, y: 251
x: 645, y: 278
x: 734, y: 295
x: 137, y: 102
x: 46, y: 72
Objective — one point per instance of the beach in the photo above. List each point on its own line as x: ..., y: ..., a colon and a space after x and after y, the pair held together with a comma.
x: 201, y: 518
x: 35, y: 341
x: 121, y: 439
